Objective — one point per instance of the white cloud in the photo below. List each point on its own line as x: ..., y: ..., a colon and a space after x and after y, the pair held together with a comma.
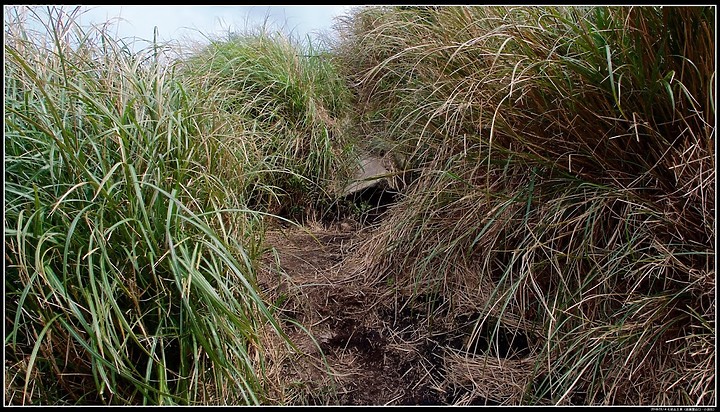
x: 183, y: 22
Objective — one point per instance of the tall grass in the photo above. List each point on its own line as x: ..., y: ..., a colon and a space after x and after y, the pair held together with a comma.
x: 129, y: 255
x: 565, y: 184
x: 296, y: 105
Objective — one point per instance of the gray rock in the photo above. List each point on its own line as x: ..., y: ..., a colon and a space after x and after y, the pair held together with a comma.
x: 370, y: 172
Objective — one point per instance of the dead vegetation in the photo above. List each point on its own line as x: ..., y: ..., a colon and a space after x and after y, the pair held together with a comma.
x: 360, y: 343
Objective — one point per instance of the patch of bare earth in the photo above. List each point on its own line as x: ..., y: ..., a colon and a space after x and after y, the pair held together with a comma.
x: 360, y: 355
x: 359, y: 342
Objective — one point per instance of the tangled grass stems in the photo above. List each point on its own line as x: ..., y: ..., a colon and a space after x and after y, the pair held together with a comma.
x: 556, y: 149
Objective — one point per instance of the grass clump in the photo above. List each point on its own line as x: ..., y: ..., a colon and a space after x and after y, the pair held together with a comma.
x: 563, y: 186
x: 291, y: 97
x: 129, y: 271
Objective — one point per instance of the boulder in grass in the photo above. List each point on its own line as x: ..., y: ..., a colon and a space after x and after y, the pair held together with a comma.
x: 371, y: 188
x: 371, y: 171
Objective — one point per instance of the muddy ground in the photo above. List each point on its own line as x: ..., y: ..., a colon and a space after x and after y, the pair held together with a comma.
x: 377, y: 350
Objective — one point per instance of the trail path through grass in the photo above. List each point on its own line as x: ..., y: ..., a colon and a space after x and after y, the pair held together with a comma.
x: 372, y: 362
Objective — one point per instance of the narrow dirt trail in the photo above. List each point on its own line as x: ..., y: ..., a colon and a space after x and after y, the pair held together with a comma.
x: 372, y: 355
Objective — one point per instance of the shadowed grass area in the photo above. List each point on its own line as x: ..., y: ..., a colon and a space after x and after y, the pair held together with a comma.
x: 563, y: 185
x: 129, y: 250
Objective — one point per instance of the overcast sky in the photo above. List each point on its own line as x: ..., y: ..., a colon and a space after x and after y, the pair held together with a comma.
x: 183, y: 22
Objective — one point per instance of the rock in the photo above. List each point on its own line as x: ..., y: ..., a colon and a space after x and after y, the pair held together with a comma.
x: 370, y: 172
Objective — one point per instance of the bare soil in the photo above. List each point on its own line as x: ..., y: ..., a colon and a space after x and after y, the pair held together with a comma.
x: 361, y: 342
x: 370, y: 354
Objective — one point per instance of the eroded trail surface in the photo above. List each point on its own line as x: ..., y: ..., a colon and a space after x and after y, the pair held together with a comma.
x: 370, y: 351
